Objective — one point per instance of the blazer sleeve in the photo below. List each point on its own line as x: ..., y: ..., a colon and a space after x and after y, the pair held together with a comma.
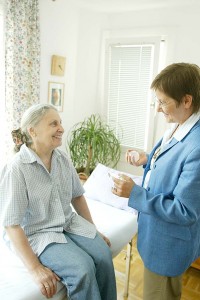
x: 182, y: 206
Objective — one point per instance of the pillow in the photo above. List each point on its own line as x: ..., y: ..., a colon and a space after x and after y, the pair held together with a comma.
x: 99, y: 187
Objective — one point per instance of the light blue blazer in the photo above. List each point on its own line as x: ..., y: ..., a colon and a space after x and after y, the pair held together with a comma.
x: 169, y: 209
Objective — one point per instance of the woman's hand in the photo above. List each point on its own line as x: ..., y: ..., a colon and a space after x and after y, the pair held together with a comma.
x: 136, y: 158
x: 105, y: 239
x: 123, y: 186
x: 46, y: 280
x: 43, y: 276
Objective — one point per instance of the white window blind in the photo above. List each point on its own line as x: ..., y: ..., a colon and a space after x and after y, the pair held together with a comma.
x: 130, y: 70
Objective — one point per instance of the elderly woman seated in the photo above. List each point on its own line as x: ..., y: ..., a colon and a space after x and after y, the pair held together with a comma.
x: 37, y: 191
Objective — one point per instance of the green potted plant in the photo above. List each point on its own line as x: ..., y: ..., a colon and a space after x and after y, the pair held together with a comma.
x: 91, y: 142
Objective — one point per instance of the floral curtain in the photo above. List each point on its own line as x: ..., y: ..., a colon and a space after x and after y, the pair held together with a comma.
x: 22, y: 59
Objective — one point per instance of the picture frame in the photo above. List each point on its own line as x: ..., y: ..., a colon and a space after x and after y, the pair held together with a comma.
x: 56, y: 95
x: 58, y: 65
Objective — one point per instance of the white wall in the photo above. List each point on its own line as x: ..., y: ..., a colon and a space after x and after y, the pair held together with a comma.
x: 75, y: 34
x: 88, y: 64
x: 59, y: 35
x: 78, y: 35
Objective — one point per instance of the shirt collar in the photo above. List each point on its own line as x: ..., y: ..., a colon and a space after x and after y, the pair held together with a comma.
x: 29, y: 156
x: 183, y: 129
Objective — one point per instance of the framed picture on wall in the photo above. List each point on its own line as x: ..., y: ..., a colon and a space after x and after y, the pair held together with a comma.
x: 56, y: 94
x: 58, y: 65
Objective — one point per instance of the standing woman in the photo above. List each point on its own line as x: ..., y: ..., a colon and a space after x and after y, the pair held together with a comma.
x: 168, y: 204
x: 37, y: 189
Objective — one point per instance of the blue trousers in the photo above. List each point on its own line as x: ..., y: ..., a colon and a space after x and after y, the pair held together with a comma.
x: 84, y: 265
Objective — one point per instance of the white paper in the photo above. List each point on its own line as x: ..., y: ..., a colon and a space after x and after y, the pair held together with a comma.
x: 99, y: 187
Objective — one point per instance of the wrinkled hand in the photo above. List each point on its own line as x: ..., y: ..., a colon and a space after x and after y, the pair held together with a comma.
x: 141, y: 161
x: 123, y: 186
x: 105, y: 239
x: 46, y: 280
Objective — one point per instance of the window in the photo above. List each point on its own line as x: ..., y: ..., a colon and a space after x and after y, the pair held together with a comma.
x: 131, y: 108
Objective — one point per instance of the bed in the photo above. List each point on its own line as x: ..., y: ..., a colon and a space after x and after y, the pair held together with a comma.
x: 114, y: 219
x: 15, y: 281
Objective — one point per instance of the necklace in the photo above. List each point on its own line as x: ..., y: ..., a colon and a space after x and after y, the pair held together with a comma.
x: 158, y: 150
x: 173, y: 132
x: 157, y: 153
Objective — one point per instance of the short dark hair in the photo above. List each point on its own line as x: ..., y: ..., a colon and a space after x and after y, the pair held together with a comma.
x: 178, y: 80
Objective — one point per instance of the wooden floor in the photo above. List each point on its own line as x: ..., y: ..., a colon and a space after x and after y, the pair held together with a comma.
x: 191, y: 278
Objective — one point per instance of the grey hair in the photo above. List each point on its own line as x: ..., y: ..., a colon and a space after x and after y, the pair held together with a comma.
x: 32, y: 116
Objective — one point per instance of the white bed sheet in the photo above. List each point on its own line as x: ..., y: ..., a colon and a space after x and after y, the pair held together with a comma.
x: 16, y: 283
x: 118, y: 225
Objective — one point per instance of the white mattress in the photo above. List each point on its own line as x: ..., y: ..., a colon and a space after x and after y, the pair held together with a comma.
x: 16, y: 283
x: 117, y: 224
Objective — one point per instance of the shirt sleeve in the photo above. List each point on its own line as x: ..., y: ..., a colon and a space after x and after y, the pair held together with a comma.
x: 13, y: 196
x: 77, y: 189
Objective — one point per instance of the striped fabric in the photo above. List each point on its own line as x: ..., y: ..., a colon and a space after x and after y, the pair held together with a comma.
x: 39, y: 201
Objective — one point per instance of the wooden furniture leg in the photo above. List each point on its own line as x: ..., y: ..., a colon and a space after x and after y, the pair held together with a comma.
x: 128, y: 266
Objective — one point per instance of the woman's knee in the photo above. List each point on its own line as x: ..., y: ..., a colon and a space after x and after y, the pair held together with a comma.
x: 104, y: 255
x: 86, y: 267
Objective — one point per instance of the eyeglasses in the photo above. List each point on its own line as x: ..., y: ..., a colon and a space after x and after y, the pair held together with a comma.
x: 161, y: 103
